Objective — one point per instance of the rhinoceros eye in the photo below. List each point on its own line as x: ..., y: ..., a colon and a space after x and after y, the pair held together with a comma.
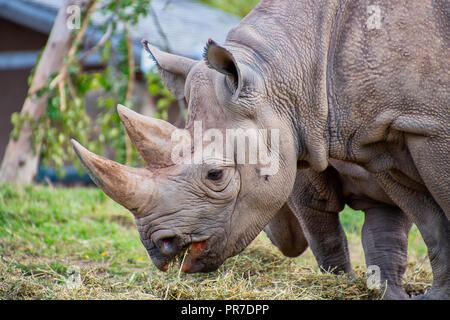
x: 214, y: 175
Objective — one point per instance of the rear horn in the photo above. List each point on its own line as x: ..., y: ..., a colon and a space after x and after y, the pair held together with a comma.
x: 150, y: 136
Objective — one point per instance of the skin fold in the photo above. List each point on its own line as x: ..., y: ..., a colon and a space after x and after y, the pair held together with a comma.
x: 360, y: 98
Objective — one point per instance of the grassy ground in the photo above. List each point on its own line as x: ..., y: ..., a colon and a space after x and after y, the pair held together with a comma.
x: 51, y: 238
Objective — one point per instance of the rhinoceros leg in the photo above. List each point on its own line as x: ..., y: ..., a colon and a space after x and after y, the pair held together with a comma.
x: 316, y: 201
x: 385, y: 242
x: 291, y: 230
x: 286, y: 233
x: 431, y: 155
x: 327, y: 239
x: 311, y: 213
x: 432, y: 224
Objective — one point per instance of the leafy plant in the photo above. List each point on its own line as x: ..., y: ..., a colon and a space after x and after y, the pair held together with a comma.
x: 66, y: 116
x: 237, y: 7
x: 157, y: 89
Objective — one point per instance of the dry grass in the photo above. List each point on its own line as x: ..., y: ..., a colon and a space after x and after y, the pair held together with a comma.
x: 45, y: 233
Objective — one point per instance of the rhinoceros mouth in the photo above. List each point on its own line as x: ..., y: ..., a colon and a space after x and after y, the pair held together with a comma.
x: 193, y: 252
x: 189, y: 257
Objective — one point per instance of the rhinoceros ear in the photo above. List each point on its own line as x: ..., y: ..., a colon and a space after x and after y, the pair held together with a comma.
x: 172, y: 68
x: 223, y: 61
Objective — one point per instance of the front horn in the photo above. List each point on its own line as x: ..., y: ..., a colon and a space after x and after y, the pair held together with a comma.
x: 131, y: 187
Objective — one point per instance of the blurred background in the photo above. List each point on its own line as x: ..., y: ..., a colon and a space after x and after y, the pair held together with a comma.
x: 87, y: 73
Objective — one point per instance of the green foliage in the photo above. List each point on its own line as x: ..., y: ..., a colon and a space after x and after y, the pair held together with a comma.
x: 66, y: 117
x: 158, y: 90
x: 237, y: 7
x: 126, y: 10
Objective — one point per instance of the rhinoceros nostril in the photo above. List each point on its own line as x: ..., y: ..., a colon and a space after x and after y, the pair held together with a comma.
x: 168, y: 246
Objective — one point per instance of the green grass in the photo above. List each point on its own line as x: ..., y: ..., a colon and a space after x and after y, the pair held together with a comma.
x: 46, y: 233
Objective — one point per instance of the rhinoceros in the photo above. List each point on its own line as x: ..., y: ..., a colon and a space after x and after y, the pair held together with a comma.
x: 310, y: 218
x: 359, y: 94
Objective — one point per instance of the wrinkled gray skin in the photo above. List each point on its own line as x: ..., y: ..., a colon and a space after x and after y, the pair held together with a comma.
x: 310, y: 217
x: 365, y: 111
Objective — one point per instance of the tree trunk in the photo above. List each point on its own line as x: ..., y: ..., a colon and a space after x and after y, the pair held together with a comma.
x: 20, y: 162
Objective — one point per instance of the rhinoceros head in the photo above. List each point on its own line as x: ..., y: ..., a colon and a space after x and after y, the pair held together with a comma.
x: 213, y: 202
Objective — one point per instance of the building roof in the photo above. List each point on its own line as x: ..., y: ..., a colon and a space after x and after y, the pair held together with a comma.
x: 186, y: 24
